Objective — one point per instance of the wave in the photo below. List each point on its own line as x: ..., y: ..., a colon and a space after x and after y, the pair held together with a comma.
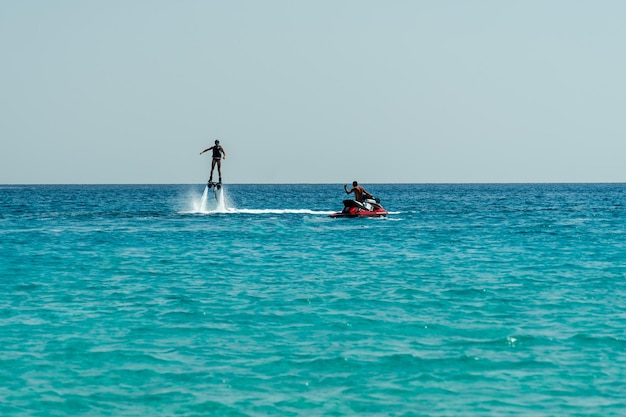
x: 232, y: 210
x: 282, y: 211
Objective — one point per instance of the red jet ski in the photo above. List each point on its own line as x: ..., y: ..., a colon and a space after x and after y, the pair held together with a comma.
x: 368, y: 208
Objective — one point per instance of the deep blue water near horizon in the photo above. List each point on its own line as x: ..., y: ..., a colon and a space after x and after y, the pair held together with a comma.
x: 468, y: 300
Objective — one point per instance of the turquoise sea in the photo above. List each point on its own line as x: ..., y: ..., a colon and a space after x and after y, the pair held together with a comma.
x: 467, y: 300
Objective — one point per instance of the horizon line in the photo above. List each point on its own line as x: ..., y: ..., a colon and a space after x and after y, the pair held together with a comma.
x: 328, y: 183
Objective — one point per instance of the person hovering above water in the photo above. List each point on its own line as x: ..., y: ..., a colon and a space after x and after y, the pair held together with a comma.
x: 217, y: 159
x: 360, y: 194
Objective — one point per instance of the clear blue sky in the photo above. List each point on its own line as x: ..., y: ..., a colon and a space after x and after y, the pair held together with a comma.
x: 313, y: 91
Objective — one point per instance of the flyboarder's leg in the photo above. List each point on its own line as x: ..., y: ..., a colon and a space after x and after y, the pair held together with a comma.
x: 212, y: 167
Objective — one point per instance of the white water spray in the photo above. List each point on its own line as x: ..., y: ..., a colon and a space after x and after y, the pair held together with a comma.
x: 221, y: 205
x: 203, y: 201
x: 211, y: 201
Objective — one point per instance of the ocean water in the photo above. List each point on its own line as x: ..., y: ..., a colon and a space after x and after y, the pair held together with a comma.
x: 168, y: 300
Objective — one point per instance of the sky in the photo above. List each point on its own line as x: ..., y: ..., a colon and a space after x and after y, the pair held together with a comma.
x: 130, y: 92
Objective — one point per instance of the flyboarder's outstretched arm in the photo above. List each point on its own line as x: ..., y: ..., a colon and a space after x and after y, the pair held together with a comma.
x: 207, y: 149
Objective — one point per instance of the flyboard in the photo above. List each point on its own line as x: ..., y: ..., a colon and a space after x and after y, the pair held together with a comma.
x: 218, y: 192
x: 216, y: 187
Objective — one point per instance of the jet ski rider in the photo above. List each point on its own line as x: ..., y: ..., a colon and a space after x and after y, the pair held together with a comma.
x: 360, y: 194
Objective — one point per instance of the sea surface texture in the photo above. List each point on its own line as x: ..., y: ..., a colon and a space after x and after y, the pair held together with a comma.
x: 173, y: 300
